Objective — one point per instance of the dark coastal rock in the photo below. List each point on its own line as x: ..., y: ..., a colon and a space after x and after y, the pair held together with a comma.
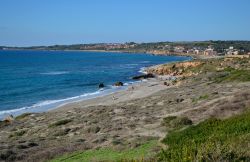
x: 101, y: 85
x: 144, y: 76
x: 118, y: 84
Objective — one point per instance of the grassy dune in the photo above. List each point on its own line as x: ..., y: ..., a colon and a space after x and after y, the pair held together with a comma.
x: 211, y: 140
x: 140, y: 153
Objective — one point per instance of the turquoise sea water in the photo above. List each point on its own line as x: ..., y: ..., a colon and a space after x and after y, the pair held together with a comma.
x: 35, y: 81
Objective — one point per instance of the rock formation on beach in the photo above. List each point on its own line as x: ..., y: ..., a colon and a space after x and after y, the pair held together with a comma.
x: 118, y: 84
x: 101, y: 85
x: 144, y: 76
x: 174, y: 69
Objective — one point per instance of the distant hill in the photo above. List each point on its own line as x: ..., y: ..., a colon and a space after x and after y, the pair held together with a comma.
x: 219, y: 46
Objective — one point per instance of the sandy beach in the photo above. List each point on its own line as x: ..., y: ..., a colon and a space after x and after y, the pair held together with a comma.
x: 141, y: 89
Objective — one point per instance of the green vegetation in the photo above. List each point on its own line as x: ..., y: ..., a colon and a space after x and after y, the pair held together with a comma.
x: 22, y: 116
x: 174, y: 122
x: 60, y: 122
x: 230, y: 75
x: 204, y: 67
x: 211, y: 140
x: 18, y: 133
x: 140, y: 153
x: 195, y: 100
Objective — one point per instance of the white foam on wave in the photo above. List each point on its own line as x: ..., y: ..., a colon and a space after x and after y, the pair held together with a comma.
x: 131, y: 64
x: 50, y: 104
x: 47, y: 103
x: 145, y: 62
x: 55, y: 73
x: 12, y: 111
x: 142, y: 70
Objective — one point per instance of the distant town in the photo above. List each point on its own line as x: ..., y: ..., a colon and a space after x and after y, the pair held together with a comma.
x: 208, y: 48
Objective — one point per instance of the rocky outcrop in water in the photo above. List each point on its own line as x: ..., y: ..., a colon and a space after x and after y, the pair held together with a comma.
x: 118, y: 84
x: 101, y: 85
x: 145, y: 76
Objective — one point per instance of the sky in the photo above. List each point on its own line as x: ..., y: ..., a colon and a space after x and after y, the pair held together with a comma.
x: 50, y: 22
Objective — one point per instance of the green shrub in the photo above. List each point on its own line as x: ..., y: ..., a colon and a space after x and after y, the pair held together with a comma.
x: 175, y: 122
x: 203, y: 97
x: 233, y: 75
x: 62, y: 132
x: 22, y: 116
x: 18, y: 133
x: 60, y: 122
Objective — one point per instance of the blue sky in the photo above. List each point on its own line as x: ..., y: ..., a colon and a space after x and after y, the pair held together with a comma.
x: 48, y: 22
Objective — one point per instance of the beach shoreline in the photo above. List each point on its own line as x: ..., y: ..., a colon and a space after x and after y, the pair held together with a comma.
x: 58, y: 104
x: 136, y: 90
x: 106, y: 98
x: 131, y: 117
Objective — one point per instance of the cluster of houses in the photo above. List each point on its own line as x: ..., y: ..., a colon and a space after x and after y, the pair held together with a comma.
x: 108, y: 46
x: 209, y: 51
x: 165, y: 49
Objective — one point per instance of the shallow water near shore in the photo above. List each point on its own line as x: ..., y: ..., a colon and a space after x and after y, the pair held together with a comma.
x: 36, y: 81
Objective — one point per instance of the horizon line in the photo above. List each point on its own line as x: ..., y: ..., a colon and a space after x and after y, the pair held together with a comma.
x: 180, y: 41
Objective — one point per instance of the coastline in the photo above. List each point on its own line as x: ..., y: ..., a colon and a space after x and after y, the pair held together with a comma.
x: 104, y: 97
x: 94, y: 97
x: 132, y: 117
x: 194, y: 56
x: 136, y: 90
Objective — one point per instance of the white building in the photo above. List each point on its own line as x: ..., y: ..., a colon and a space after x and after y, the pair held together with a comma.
x: 232, y: 51
x: 210, y: 51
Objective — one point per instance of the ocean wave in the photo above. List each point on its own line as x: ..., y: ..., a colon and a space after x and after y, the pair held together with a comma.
x: 48, y: 102
x: 131, y: 64
x: 12, y: 111
x: 142, y: 70
x: 145, y: 62
x: 128, y: 66
x: 55, y: 73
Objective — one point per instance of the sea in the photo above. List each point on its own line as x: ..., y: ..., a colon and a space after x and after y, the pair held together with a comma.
x: 38, y: 81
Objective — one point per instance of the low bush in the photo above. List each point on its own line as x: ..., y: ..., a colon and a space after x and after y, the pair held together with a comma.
x: 22, y: 116
x: 174, y: 122
x: 18, y: 133
x: 203, y: 97
x: 60, y: 122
